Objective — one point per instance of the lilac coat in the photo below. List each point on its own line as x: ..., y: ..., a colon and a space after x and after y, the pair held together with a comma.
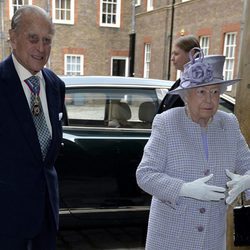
x: 175, y: 154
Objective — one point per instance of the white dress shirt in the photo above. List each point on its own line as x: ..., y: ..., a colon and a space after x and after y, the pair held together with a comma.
x: 24, y: 74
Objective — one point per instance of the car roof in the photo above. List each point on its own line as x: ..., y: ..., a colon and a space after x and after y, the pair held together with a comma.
x: 115, y: 81
x: 228, y: 98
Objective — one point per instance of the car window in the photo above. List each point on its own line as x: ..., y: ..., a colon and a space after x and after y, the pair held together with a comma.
x: 111, y: 107
x: 85, y: 105
x: 161, y: 93
x: 227, y: 104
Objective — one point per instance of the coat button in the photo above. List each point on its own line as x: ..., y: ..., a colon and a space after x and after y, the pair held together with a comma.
x: 207, y: 172
x: 202, y: 210
x: 200, y: 228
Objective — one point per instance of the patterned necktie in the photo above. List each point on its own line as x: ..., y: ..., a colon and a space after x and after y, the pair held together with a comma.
x: 38, y: 114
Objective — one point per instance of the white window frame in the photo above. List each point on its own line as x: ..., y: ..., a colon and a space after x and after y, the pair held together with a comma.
x: 63, y: 21
x: 204, y: 44
x: 150, y: 5
x: 147, y: 60
x: 229, y: 53
x: 11, y: 6
x: 120, y: 58
x: 71, y: 72
x: 110, y: 5
x: 137, y: 2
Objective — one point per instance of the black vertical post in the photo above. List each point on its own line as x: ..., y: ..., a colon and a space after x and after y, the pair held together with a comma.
x: 171, y: 39
x: 131, y: 54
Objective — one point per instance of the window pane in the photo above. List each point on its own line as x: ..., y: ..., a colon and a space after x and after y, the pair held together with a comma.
x: 119, y: 67
x: 85, y: 105
x: 229, y: 52
x: 100, y: 107
x: 68, y: 4
x: 74, y: 64
x: 63, y: 10
x: 16, y: 4
x: 110, y: 13
x: 204, y: 43
x: 147, y: 57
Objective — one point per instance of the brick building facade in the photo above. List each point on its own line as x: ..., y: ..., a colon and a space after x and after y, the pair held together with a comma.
x: 84, y: 45
x: 82, y: 41
x: 217, y: 24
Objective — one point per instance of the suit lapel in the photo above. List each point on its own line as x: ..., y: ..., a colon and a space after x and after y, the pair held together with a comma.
x: 17, y: 99
x: 52, y: 97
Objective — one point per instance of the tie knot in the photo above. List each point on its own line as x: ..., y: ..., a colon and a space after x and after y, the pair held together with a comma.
x: 34, y: 84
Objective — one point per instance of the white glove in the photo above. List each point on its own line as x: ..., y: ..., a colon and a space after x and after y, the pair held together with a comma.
x: 199, y: 190
x: 238, y: 184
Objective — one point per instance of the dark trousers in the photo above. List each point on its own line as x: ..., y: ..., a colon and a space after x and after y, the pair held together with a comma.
x: 45, y: 240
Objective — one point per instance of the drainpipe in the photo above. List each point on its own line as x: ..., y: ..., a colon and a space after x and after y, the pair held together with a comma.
x: 48, y: 64
x: 132, y: 43
x: 48, y: 7
x: 171, y: 39
x: 2, y: 36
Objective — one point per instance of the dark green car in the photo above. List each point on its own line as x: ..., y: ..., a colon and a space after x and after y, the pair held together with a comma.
x: 107, y: 123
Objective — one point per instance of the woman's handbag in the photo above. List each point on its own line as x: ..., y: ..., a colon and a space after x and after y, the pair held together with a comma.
x: 242, y: 224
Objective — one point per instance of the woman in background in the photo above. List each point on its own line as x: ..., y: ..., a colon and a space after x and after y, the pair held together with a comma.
x: 180, y: 56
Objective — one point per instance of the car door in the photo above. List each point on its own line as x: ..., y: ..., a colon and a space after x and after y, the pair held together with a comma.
x: 97, y: 164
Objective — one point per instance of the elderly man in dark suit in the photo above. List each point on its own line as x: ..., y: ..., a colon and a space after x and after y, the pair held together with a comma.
x: 31, y: 104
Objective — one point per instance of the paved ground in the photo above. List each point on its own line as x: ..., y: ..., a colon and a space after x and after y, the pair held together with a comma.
x: 101, y: 239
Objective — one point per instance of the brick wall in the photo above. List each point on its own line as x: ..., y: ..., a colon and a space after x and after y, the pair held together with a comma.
x: 199, y: 17
x: 96, y: 43
x: 99, y: 44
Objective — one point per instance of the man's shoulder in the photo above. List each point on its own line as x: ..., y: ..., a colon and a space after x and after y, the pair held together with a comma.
x: 51, y: 76
x: 6, y: 62
x: 49, y: 73
x: 7, y: 68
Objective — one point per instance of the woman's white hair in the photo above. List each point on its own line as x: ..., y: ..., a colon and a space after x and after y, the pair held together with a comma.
x: 183, y: 94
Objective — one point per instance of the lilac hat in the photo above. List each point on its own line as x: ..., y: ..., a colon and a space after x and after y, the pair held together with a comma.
x: 202, y: 71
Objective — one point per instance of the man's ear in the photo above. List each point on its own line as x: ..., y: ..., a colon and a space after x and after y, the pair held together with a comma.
x: 12, y: 36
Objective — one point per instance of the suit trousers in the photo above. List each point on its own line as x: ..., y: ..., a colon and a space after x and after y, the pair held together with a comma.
x: 45, y: 240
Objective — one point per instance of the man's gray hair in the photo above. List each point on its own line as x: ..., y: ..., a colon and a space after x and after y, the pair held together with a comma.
x: 33, y: 10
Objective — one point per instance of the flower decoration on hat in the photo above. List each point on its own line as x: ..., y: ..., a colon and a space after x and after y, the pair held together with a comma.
x: 202, y: 71
x: 197, y: 71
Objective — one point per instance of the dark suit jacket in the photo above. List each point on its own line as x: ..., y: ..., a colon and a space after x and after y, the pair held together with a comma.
x: 171, y: 101
x: 24, y: 176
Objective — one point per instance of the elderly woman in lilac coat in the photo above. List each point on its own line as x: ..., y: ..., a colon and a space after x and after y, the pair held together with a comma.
x: 195, y: 163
